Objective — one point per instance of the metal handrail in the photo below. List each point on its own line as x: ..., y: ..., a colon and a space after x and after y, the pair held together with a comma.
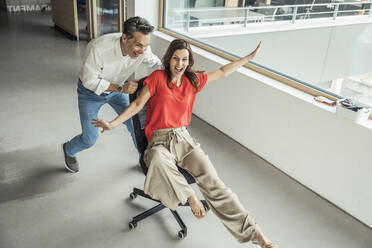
x: 266, y: 7
x: 272, y: 17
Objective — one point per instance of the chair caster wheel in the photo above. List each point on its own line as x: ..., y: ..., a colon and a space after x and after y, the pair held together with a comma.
x: 133, y: 196
x: 132, y: 225
x: 182, y: 234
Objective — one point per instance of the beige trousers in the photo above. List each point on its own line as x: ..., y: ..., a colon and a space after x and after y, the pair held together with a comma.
x: 174, y: 146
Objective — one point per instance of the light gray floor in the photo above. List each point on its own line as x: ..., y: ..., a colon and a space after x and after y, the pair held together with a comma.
x: 43, y: 206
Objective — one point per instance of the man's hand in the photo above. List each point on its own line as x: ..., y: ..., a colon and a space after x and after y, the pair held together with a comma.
x: 130, y: 87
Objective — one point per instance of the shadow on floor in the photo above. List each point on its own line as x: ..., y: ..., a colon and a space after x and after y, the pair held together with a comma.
x: 30, y: 173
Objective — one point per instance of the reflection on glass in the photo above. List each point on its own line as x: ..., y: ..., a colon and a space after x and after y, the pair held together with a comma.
x: 107, y: 16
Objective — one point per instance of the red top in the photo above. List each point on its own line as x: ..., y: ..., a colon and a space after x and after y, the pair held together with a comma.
x: 169, y: 108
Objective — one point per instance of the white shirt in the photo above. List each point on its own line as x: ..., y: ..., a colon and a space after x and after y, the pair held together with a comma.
x: 104, y: 63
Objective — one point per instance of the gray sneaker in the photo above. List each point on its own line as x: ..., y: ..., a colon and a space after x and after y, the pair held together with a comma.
x: 71, y: 163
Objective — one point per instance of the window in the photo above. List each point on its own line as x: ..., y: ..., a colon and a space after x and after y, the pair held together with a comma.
x: 308, y: 46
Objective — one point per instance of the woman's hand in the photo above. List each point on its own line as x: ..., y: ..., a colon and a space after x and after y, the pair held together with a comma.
x: 254, y: 53
x: 102, y: 123
x: 226, y: 70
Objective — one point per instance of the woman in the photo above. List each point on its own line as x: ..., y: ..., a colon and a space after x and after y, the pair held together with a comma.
x: 170, y: 94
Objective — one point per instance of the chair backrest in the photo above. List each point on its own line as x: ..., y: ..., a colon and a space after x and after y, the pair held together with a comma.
x: 139, y: 121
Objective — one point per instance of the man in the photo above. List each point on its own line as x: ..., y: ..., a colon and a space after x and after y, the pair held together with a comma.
x: 109, y: 61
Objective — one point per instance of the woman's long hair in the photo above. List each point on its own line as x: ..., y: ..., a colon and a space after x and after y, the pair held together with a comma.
x: 178, y: 44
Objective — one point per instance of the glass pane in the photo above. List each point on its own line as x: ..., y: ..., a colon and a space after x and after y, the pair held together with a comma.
x: 300, y: 41
x: 357, y: 88
x: 107, y: 16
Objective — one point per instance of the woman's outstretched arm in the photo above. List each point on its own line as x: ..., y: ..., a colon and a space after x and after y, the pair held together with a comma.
x: 226, y: 70
x: 131, y: 110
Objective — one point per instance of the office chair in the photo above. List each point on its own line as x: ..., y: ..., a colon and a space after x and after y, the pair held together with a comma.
x: 139, y: 125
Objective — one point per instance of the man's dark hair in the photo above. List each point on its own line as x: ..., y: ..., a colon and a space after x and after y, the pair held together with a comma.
x: 136, y: 24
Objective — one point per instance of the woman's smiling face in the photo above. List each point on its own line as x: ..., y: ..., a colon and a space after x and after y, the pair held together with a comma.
x: 179, y: 62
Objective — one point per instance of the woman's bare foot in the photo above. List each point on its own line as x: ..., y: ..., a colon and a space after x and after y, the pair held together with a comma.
x: 196, y: 206
x: 262, y: 241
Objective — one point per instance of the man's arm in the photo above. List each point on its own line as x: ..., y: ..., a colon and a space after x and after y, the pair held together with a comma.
x: 90, y: 75
x: 91, y: 71
x: 129, y: 87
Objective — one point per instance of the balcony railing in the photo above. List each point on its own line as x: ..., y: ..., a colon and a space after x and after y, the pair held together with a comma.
x: 195, y: 17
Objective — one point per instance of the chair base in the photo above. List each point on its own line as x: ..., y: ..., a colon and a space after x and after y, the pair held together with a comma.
x: 133, y: 224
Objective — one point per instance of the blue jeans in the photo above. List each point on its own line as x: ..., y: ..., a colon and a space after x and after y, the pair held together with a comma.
x: 89, y: 105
